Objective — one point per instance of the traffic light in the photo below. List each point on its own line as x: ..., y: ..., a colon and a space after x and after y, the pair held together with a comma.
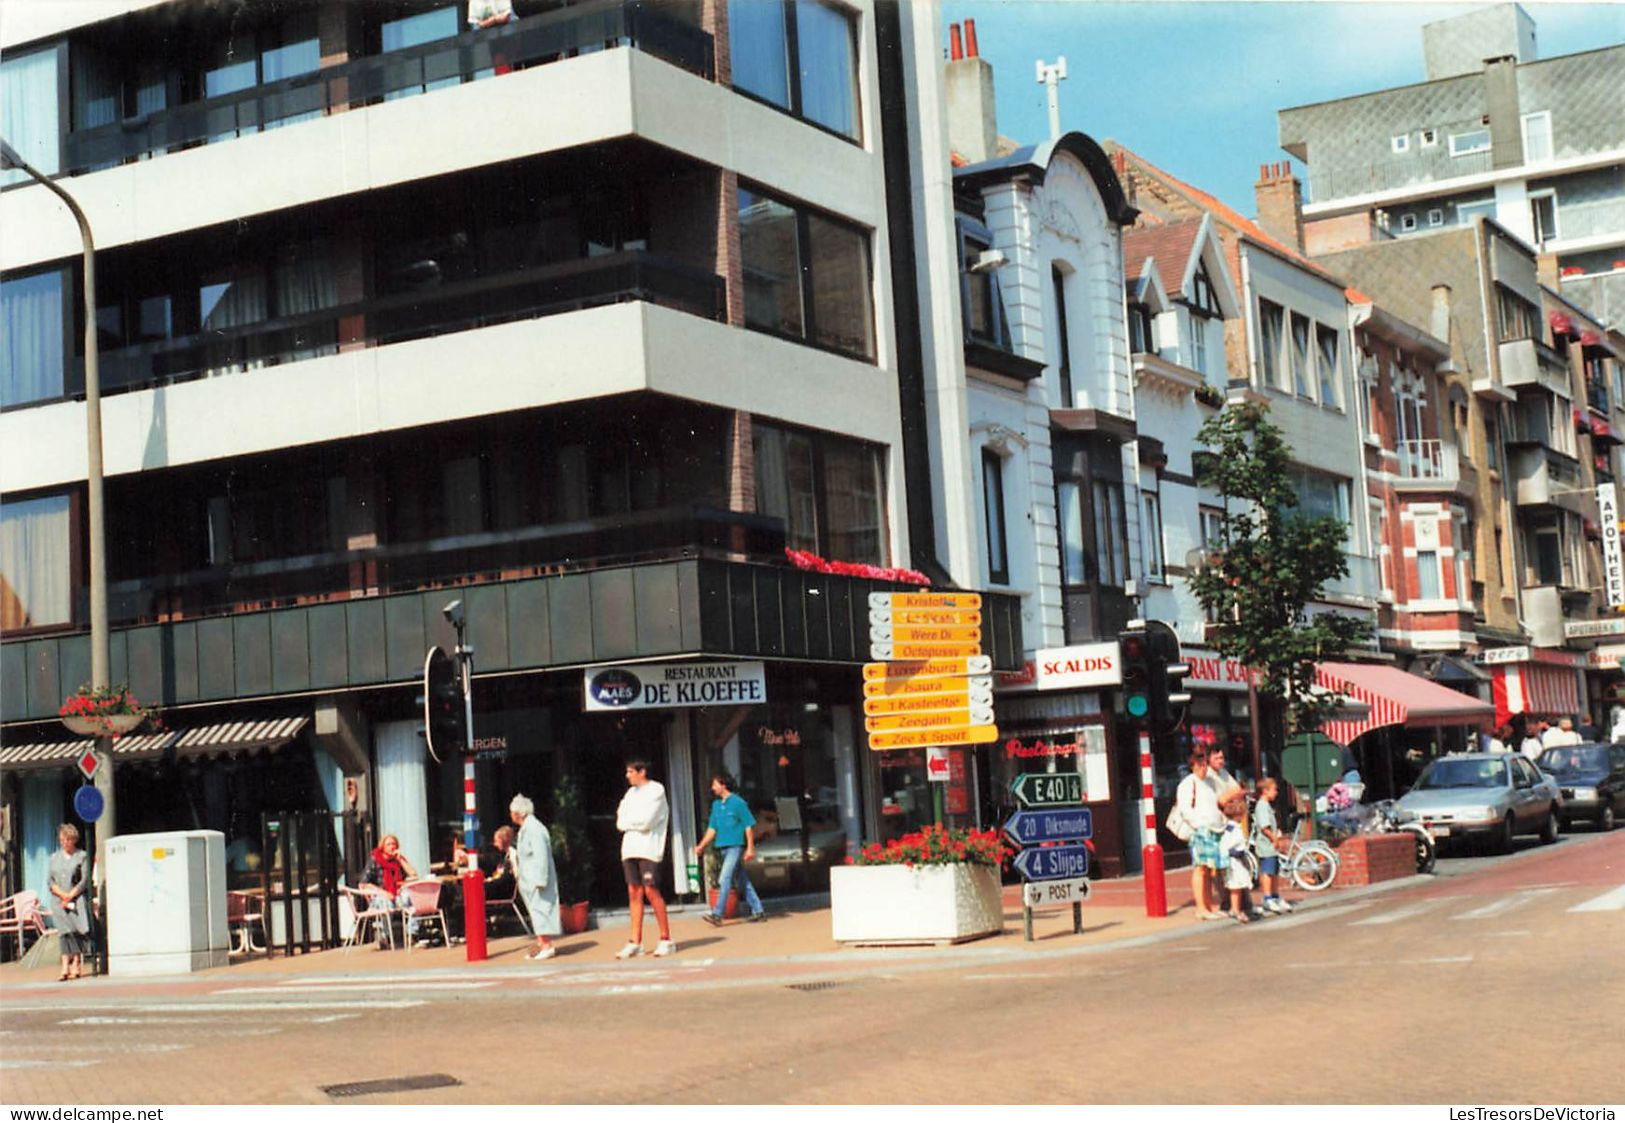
x: 1168, y: 671
x: 445, y: 719
x: 1135, y: 655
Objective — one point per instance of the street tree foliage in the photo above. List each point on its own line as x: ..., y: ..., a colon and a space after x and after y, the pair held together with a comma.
x: 1270, y: 561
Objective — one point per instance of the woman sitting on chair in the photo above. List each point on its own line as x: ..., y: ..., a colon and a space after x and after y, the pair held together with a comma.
x: 385, y: 877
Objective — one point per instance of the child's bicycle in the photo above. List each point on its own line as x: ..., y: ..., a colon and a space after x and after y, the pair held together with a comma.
x: 1310, y: 863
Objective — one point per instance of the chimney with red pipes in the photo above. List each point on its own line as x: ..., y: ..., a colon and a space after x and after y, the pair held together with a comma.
x: 1280, y: 203
x: 972, y: 122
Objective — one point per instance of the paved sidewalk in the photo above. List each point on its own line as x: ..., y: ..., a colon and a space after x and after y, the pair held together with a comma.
x: 796, y: 934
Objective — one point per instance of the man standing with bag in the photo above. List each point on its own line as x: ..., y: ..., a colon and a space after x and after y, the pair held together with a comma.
x: 1198, y: 805
x: 733, y: 828
x: 642, y: 818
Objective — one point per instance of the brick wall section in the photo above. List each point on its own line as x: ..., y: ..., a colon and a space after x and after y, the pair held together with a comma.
x: 1369, y: 858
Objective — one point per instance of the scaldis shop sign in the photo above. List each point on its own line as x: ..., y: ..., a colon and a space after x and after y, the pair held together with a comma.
x: 1085, y: 665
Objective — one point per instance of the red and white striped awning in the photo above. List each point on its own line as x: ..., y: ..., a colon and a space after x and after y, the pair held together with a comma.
x: 1533, y: 688
x: 1396, y: 698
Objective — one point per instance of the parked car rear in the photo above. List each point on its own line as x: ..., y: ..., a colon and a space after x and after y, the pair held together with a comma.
x: 1591, y: 778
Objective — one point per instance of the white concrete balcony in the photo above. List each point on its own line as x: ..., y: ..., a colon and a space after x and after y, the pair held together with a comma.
x: 602, y: 351
x: 315, y: 154
x: 1431, y: 466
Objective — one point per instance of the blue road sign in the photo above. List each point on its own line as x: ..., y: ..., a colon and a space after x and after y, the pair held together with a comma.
x: 1056, y: 824
x: 1045, y: 863
x: 88, y: 803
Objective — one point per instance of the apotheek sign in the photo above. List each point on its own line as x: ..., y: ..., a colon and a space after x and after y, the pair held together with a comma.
x: 658, y: 686
x: 1613, y: 564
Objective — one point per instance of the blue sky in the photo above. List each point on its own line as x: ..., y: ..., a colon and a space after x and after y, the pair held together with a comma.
x: 1194, y: 86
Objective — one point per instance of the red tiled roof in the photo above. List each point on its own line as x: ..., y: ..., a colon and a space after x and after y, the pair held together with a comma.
x: 1244, y: 226
x: 1355, y: 296
x: 1169, y: 245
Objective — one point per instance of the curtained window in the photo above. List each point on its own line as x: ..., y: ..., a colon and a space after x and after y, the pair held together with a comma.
x: 32, y: 340
x: 800, y: 55
x: 30, y: 112
x: 35, y: 563
x: 403, y: 799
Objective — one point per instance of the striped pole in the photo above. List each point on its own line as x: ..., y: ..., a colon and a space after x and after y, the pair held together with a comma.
x: 1156, y: 889
x: 473, y: 879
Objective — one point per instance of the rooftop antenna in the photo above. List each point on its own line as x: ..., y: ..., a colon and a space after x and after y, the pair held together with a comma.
x: 1052, y: 76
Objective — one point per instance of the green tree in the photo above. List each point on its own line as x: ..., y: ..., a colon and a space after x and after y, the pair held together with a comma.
x: 1270, y: 561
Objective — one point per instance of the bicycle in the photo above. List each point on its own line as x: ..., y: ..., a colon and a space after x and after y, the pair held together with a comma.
x: 1310, y: 863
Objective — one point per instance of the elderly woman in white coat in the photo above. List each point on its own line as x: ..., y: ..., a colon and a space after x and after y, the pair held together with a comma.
x: 538, y: 881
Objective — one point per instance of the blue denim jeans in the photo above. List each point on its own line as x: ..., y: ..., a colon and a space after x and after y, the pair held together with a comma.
x: 733, y: 870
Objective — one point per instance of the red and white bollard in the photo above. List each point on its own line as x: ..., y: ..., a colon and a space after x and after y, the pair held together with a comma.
x: 1156, y: 888
x: 473, y: 879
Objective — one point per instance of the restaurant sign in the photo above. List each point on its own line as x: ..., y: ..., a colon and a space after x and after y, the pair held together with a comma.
x: 659, y: 686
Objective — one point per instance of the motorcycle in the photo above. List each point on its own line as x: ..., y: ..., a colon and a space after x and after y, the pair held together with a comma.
x: 1384, y: 817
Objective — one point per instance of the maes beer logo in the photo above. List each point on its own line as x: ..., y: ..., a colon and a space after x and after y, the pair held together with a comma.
x: 615, y: 687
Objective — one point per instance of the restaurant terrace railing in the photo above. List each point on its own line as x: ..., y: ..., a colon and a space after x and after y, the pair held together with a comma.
x: 536, y: 40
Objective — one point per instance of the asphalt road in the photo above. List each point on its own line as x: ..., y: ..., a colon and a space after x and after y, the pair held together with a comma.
x: 1502, y: 980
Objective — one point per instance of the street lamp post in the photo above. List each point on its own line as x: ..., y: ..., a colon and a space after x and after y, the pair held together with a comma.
x: 100, y: 672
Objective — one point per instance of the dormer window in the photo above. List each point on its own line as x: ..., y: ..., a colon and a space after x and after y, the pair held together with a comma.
x: 1203, y: 297
x: 1142, y: 337
x: 982, y: 300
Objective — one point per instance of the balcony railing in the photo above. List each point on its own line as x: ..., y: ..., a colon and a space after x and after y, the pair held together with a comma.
x: 1329, y: 183
x: 545, y: 38
x: 1429, y: 460
x: 662, y: 534
x: 522, y: 294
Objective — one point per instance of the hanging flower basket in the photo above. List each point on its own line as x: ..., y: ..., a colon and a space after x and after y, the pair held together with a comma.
x: 107, y: 711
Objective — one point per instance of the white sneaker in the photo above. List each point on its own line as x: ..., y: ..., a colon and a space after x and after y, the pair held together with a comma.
x: 543, y: 953
x: 629, y: 951
x: 1272, y: 905
x: 665, y: 947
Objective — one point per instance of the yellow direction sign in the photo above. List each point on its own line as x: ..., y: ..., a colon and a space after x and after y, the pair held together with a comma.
x: 921, y: 738
x: 895, y: 601
x: 924, y: 703
x: 925, y: 667
x: 959, y: 649
x: 936, y: 719
x: 921, y: 684
x: 926, y: 617
x: 912, y: 633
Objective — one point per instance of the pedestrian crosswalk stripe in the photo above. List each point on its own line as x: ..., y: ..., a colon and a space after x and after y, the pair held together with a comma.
x: 1405, y: 913
x: 329, y: 988
x: 1611, y: 901
x: 1281, y: 924
x: 1501, y: 905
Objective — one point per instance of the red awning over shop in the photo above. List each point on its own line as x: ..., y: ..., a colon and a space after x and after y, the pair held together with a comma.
x: 1396, y: 698
x: 1531, y: 688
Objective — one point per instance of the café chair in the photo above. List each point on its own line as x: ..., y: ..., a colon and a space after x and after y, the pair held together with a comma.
x: 243, y: 911
x: 497, y: 906
x: 18, y: 913
x: 365, y: 908
x: 423, y: 904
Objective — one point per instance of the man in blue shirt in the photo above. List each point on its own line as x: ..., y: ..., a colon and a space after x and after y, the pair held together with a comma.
x: 732, y: 828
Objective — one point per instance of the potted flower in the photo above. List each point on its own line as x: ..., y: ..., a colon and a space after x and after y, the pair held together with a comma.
x: 103, y: 711
x: 713, y: 885
x: 572, y: 854
x: 933, y: 886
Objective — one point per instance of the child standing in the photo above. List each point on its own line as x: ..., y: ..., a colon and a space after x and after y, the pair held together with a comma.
x: 1238, y: 877
x: 1267, y: 840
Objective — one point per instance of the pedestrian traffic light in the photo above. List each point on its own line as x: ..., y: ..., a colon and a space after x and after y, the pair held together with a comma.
x: 1135, y: 655
x: 445, y: 718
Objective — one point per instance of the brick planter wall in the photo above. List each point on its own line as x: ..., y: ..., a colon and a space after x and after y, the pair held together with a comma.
x: 1368, y: 858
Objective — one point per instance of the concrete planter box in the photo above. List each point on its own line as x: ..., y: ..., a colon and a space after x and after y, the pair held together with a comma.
x: 924, y: 905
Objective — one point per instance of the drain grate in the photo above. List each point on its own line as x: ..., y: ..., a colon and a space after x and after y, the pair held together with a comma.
x: 392, y: 1084
x: 827, y: 984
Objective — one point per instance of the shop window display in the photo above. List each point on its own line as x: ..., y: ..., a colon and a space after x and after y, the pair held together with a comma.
x: 784, y: 756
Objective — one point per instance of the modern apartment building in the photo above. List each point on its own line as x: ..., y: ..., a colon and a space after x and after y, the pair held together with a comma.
x: 1494, y: 129
x: 605, y: 322
x: 1533, y: 412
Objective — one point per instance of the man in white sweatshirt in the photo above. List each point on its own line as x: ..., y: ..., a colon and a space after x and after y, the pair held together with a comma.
x: 642, y: 820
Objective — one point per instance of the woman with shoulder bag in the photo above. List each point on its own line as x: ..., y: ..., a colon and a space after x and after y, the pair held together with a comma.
x: 1199, y: 806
